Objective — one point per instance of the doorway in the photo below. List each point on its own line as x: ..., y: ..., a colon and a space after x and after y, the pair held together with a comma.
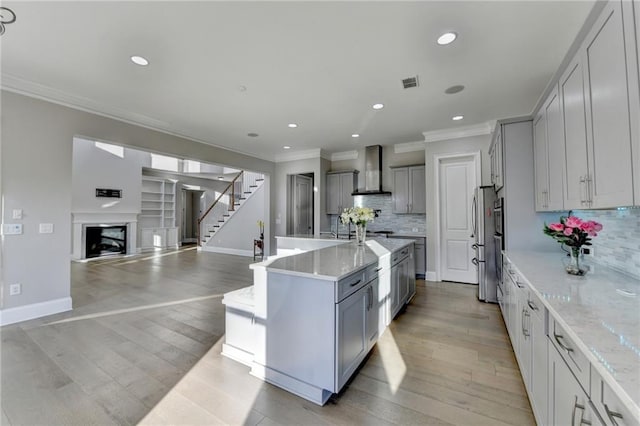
x: 456, y: 178
x: 300, y: 204
x: 191, y: 210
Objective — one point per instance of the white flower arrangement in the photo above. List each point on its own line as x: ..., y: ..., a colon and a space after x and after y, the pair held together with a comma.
x: 357, y: 215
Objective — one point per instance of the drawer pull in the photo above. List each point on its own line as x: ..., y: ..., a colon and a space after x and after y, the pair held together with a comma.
x: 562, y: 345
x: 355, y: 283
x: 532, y: 305
x: 612, y: 415
x: 573, y: 414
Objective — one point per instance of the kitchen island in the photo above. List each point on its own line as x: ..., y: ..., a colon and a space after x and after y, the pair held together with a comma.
x: 316, y: 314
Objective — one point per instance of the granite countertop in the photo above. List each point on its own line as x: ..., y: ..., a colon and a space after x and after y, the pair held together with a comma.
x: 335, y: 263
x: 601, y: 310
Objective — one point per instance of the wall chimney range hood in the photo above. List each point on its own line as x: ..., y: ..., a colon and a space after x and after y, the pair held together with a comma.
x: 372, y: 172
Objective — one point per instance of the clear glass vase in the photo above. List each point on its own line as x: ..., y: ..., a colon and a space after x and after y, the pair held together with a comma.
x: 574, y: 267
x: 361, y: 233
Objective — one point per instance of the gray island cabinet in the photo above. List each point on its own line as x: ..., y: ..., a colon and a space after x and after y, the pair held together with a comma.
x: 318, y: 314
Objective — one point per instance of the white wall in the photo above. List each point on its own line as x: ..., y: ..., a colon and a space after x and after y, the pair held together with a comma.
x: 95, y: 168
x: 37, y: 139
x: 454, y: 146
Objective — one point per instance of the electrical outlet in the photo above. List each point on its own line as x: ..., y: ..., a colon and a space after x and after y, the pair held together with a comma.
x: 414, y: 230
x: 46, y: 228
x: 15, y: 289
x: 588, y: 251
x: 17, y: 214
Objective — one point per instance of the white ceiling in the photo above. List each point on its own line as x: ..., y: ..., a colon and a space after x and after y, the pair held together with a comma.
x: 318, y: 64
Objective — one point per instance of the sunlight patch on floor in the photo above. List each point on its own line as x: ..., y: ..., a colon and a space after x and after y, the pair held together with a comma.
x: 394, y: 367
x: 134, y: 309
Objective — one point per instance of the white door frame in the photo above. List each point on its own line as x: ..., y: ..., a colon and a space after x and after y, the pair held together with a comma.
x: 437, y: 160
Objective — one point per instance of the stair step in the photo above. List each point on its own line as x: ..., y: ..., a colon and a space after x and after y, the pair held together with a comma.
x: 236, y: 204
x: 216, y: 226
x: 225, y: 215
x: 259, y: 180
x: 253, y: 186
x: 248, y: 192
x: 243, y: 198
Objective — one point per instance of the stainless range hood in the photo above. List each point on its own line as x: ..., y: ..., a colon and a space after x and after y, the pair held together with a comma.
x: 372, y: 172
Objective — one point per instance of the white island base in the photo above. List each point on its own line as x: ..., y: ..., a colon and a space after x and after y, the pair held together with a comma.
x: 311, y: 318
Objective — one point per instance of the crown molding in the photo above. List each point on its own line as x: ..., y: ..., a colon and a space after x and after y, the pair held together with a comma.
x: 458, y: 132
x: 31, y: 89
x: 344, y: 155
x: 298, y: 155
x: 408, y: 147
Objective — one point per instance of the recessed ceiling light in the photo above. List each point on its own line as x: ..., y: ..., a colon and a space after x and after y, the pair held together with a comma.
x: 252, y: 135
x: 139, y: 60
x: 292, y: 125
x: 220, y: 177
x: 242, y: 88
x: 378, y: 106
x: 286, y: 147
x: 457, y: 117
x: 355, y: 135
x: 446, y: 38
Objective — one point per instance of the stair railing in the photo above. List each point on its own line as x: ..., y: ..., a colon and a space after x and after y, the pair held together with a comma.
x: 231, y: 190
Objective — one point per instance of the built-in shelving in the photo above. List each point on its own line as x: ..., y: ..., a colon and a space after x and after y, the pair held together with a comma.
x: 157, y: 219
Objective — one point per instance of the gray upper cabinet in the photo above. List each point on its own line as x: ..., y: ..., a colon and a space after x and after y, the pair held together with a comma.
x: 597, y: 103
x: 409, y: 191
x: 340, y: 185
x: 548, y: 143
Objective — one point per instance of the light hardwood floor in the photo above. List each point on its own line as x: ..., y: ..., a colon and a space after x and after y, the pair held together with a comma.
x: 143, y: 346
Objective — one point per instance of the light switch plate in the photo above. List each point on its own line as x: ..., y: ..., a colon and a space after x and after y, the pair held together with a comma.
x: 15, y: 289
x: 12, y: 229
x: 17, y: 214
x: 46, y: 228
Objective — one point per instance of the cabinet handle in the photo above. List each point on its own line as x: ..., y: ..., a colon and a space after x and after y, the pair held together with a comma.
x: 612, y: 415
x: 355, y: 283
x: 573, y: 413
x: 532, y: 305
x: 527, y: 333
x: 589, y: 190
x: 583, y: 184
x: 518, y: 284
x: 562, y: 345
x: 379, y: 269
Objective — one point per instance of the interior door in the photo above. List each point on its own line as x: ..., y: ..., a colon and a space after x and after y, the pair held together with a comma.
x: 457, y: 183
x: 303, y: 205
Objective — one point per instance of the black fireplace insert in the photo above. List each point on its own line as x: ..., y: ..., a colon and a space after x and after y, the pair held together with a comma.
x: 106, y: 240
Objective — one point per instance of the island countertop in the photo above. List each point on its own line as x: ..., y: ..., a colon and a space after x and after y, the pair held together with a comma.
x: 601, y: 310
x: 334, y: 263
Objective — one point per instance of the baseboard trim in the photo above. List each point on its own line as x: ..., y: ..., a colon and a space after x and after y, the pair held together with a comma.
x: 34, y: 310
x: 430, y: 276
x: 224, y: 250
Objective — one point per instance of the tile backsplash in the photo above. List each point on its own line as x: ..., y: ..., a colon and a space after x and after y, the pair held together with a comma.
x: 386, y: 220
x: 617, y: 246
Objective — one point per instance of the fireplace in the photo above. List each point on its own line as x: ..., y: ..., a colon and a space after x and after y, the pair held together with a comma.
x: 106, y: 240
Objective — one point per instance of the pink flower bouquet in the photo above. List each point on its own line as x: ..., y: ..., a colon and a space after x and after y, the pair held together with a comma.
x: 573, y: 232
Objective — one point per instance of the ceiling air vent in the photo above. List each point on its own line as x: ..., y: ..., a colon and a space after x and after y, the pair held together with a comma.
x: 410, y: 82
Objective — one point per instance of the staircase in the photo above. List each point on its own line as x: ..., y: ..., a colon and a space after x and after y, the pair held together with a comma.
x: 227, y: 203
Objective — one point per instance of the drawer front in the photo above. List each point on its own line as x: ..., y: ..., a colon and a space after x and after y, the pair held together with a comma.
x: 535, y: 305
x: 611, y: 409
x: 572, y: 355
x: 371, y: 272
x: 399, y: 255
x: 350, y: 284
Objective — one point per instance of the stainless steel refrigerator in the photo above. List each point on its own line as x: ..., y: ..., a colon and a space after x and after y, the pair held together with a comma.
x: 483, y: 227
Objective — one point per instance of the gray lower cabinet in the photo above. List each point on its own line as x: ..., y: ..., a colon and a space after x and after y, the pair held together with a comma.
x: 357, y: 319
x: 420, y: 254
